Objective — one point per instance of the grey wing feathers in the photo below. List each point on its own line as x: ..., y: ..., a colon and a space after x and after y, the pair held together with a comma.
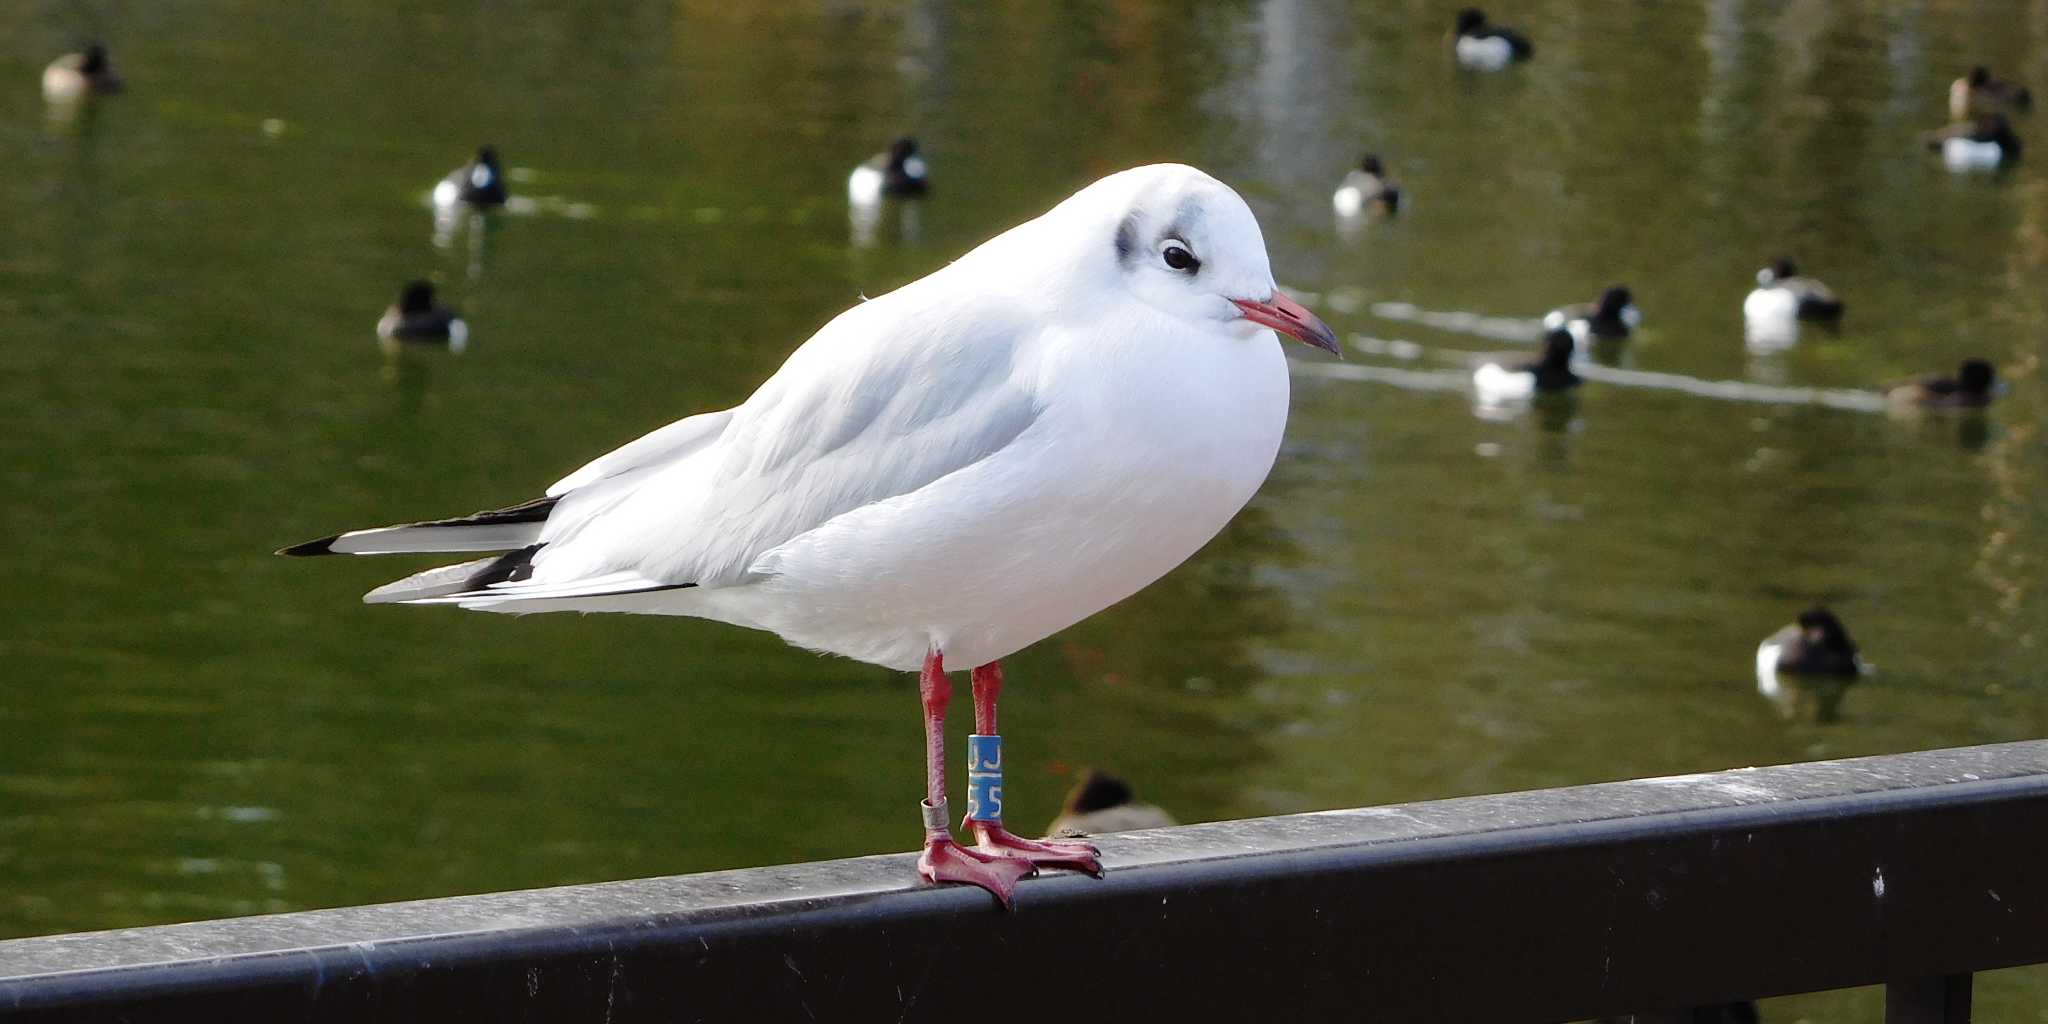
x: 673, y: 441
x: 852, y: 418
x: 835, y: 443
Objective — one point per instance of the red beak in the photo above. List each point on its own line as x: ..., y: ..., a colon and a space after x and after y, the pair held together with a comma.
x: 1292, y: 319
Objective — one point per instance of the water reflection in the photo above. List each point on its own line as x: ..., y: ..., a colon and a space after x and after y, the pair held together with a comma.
x: 453, y: 222
x: 1846, y: 399
x: 1460, y: 322
x: 1351, y: 228
x: 1164, y: 672
x: 1765, y: 336
x: 902, y: 219
x: 1555, y: 412
x: 1814, y: 700
x: 65, y: 117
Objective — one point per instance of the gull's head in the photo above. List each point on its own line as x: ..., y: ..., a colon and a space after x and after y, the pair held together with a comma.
x: 1186, y: 245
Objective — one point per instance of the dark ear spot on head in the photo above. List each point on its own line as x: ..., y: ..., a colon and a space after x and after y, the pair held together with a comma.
x: 1126, y: 239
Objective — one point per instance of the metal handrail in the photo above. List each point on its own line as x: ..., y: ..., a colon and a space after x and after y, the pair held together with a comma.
x: 1646, y: 897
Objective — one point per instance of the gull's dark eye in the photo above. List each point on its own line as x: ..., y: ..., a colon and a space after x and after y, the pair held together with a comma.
x: 1180, y: 259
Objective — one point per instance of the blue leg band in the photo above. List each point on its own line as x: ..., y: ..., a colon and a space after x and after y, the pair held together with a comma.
x: 985, y: 778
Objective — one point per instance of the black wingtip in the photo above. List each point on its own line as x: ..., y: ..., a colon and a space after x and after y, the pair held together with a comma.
x: 323, y: 546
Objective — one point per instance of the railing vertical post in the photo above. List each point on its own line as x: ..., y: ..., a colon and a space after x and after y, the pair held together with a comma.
x: 1940, y: 1000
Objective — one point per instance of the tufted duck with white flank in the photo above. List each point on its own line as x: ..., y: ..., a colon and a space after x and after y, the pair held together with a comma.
x: 1782, y: 296
x: 479, y: 183
x: 1482, y: 46
x: 1367, y: 188
x: 1817, y: 644
x: 1806, y: 667
x: 1100, y: 804
x: 417, y: 317
x: 1985, y: 144
x: 78, y: 75
x: 896, y: 171
x: 1973, y: 387
x: 1498, y: 382
x: 1609, y: 319
x: 1977, y: 94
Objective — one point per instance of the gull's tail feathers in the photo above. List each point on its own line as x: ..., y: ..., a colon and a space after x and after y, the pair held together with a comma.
x: 496, y: 530
x: 516, y: 588
x: 505, y: 583
x: 432, y: 585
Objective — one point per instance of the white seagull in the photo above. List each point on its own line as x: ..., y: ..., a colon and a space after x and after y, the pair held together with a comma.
x: 951, y: 471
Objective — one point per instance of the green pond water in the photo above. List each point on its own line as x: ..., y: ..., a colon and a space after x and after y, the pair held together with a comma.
x: 1423, y: 602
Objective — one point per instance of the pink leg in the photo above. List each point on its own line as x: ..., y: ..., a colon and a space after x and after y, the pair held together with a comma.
x: 990, y: 836
x: 943, y: 859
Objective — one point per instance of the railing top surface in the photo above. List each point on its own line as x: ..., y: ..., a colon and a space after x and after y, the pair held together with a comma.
x: 1765, y: 795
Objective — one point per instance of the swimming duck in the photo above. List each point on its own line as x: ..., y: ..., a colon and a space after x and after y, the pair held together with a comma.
x: 1807, y: 667
x: 417, y: 317
x: 1973, y: 387
x: 1481, y: 46
x: 76, y: 75
x: 1984, y: 144
x: 896, y: 171
x: 1817, y: 644
x: 480, y: 182
x: 1977, y: 94
x: 1611, y: 318
x: 1102, y: 803
x: 1781, y: 295
x: 1498, y: 381
x: 1367, y: 187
